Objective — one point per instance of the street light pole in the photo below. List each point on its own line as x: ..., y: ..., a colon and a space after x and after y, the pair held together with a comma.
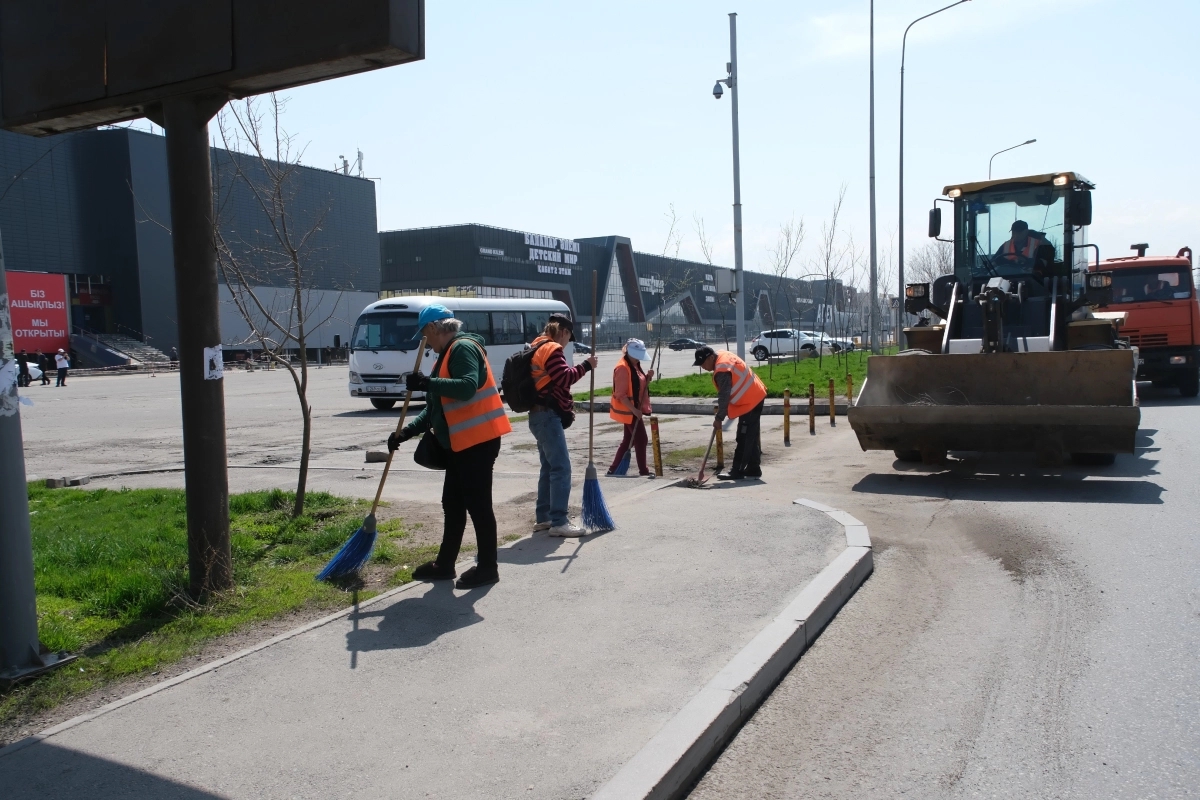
x: 900, y: 256
x: 1005, y: 150
x: 874, y: 256
x: 739, y: 285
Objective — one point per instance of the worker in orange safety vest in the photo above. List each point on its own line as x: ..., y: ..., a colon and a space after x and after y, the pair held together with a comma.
x: 740, y: 396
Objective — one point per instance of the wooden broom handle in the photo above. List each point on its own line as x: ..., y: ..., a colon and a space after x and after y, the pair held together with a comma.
x: 592, y: 389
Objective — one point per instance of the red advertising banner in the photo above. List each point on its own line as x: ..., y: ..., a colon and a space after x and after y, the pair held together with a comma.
x: 37, y: 302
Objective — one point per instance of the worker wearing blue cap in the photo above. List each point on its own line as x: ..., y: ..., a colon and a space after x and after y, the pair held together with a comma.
x: 466, y: 418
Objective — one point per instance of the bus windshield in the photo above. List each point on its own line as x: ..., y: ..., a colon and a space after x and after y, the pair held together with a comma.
x: 1151, y: 283
x: 999, y: 231
x: 391, y: 330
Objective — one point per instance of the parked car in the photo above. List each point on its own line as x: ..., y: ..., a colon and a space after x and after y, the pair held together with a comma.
x: 782, y: 342
x: 580, y: 347
x: 35, y: 374
x: 685, y: 344
x: 830, y: 343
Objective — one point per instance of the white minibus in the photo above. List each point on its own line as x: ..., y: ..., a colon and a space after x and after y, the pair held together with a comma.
x: 383, y: 346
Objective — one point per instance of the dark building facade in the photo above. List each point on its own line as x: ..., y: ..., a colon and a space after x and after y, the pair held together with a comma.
x: 94, y: 206
x: 637, y: 293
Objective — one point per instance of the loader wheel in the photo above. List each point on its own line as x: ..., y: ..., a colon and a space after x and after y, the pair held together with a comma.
x: 1189, y: 383
x: 382, y: 405
x: 908, y: 456
x: 1094, y: 459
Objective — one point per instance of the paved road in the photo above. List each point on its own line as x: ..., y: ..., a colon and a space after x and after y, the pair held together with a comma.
x: 1027, y: 633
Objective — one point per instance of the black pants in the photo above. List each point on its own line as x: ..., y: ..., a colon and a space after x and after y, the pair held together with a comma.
x: 62, y: 377
x: 46, y: 376
x: 468, y: 490
x: 748, y: 453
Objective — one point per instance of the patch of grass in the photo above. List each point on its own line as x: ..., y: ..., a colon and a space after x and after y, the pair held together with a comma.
x: 520, y: 418
x: 111, y: 572
x: 777, y: 377
x: 678, y: 458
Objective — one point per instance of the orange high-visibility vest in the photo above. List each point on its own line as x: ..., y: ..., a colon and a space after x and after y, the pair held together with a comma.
x: 1009, y: 250
x: 480, y: 419
x: 541, y: 378
x: 618, y: 410
x: 748, y: 391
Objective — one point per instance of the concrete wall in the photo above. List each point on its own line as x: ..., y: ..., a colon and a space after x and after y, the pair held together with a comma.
x: 341, y: 309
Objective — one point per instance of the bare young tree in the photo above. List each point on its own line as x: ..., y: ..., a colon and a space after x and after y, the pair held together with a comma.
x: 835, y: 257
x: 706, y: 248
x: 270, y: 271
x: 929, y: 262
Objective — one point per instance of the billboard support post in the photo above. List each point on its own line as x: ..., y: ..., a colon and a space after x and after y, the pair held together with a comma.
x: 21, y: 653
x: 201, y: 385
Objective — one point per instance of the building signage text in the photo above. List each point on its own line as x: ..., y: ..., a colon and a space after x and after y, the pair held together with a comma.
x: 548, y: 248
x: 39, y: 310
x: 652, y: 284
x: 490, y: 251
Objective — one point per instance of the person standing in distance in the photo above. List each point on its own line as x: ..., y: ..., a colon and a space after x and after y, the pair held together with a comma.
x: 740, y: 396
x: 630, y: 404
x: 548, y: 420
x: 62, y: 362
x: 464, y: 413
x: 24, y: 377
x: 43, y: 362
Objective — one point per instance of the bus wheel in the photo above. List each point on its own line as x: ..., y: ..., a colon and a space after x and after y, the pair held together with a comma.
x: 383, y: 405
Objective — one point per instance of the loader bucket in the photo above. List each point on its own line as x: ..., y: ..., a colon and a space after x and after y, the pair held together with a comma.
x: 1053, y: 404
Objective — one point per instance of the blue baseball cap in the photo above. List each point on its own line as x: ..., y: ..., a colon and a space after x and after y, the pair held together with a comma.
x: 432, y: 314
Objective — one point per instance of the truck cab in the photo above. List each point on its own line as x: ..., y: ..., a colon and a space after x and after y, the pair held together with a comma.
x: 1162, y: 317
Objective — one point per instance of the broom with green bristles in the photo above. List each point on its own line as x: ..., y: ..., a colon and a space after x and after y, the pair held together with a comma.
x: 595, y: 513
x: 356, y: 552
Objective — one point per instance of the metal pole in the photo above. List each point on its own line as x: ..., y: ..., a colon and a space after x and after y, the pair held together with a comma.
x: 201, y: 385
x: 739, y: 280
x: 874, y: 253
x: 900, y: 255
x: 1005, y: 150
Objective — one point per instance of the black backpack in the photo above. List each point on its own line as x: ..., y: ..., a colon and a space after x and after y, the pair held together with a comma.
x: 516, y: 382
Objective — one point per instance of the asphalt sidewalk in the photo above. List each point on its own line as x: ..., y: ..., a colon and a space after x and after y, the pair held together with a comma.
x: 541, y: 686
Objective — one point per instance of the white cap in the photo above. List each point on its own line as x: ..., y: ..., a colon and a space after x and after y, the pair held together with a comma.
x: 636, y: 348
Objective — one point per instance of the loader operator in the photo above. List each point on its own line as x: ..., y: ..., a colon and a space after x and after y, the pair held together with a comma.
x: 740, y: 395
x: 1021, y: 248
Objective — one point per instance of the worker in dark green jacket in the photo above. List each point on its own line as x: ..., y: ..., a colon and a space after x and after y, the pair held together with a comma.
x: 465, y: 415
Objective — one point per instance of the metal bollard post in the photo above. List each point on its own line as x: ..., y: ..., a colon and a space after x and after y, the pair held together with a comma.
x: 812, y: 409
x: 832, y: 404
x: 849, y: 388
x: 720, y: 446
x: 657, y: 449
x: 787, y: 416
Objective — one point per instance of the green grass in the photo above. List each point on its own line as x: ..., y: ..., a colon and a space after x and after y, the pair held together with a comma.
x: 678, y: 458
x: 794, y: 375
x: 111, y: 568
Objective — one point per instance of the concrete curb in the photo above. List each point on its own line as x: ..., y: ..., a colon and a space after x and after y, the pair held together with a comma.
x: 772, y: 408
x: 675, y: 758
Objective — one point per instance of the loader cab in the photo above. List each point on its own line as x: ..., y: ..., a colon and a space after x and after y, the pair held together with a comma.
x: 1023, y: 243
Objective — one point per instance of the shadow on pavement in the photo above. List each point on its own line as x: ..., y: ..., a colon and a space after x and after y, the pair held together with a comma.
x: 1150, y: 397
x: 46, y: 770
x: 1031, y: 487
x: 540, y: 549
x: 415, y: 621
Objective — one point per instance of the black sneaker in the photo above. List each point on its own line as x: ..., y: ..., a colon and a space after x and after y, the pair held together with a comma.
x: 730, y: 476
x: 474, y: 577
x: 430, y: 571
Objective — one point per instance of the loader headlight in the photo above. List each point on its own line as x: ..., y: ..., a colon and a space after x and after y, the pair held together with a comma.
x: 355, y: 377
x: 954, y: 193
x: 1099, y: 280
x: 1060, y: 180
x: 917, y: 290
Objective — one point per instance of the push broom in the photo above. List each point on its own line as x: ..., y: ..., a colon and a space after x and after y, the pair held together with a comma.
x: 357, y: 550
x: 595, y: 512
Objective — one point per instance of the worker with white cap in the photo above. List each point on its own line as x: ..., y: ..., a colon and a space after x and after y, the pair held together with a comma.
x: 62, y: 362
x: 631, y: 403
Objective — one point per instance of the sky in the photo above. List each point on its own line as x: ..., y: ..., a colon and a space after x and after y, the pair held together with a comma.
x: 592, y: 119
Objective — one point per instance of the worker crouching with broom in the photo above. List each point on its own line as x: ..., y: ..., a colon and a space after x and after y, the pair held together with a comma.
x: 740, y: 396
x: 463, y: 421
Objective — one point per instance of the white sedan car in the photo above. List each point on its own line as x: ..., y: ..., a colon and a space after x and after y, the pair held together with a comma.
x: 784, y: 342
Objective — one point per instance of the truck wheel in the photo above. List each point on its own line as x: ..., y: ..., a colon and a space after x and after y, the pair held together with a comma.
x: 383, y: 405
x: 1094, y: 459
x: 1189, y: 383
x: 760, y: 353
x: 908, y: 456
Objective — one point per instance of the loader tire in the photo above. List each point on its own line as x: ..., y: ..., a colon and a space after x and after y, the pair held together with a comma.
x: 908, y: 456
x: 1094, y: 459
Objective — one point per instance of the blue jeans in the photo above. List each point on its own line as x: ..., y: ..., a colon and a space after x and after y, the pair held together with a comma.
x: 554, y: 483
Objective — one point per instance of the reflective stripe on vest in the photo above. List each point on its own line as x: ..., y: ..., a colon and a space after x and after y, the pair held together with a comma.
x: 1031, y: 245
x: 617, y: 410
x: 748, y: 391
x: 541, y: 378
x: 479, y: 419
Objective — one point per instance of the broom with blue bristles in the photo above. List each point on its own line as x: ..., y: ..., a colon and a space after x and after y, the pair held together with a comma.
x: 356, y: 552
x: 595, y: 512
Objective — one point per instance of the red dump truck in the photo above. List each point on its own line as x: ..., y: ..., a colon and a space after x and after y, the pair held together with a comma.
x: 1162, y: 320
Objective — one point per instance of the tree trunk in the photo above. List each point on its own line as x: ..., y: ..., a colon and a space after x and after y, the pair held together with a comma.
x: 305, y: 449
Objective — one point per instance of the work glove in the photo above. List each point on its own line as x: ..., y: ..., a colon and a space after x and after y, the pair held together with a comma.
x: 417, y: 381
x: 394, y: 439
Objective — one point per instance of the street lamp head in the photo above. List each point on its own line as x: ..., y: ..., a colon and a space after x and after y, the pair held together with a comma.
x: 717, y: 90
x: 1031, y: 141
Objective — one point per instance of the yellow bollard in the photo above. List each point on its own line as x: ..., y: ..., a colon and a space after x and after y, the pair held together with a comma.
x: 832, y: 404
x: 657, y: 449
x: 812, y: 409
x: 720, y: 446
x: 787, y: 416
x: 849, y: 388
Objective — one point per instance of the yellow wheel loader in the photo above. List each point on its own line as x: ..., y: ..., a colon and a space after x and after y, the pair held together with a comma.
x: 1018, y: 361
